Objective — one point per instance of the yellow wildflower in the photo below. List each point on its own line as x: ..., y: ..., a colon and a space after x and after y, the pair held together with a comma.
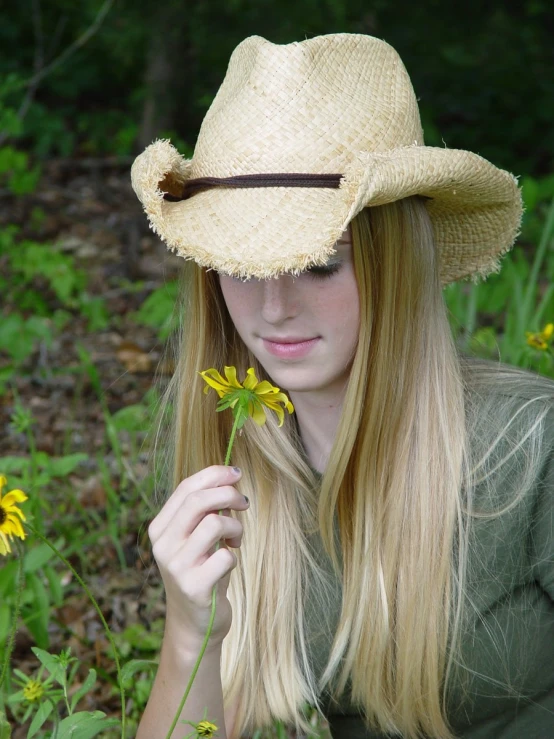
x: 33, y: 691
x: 540, y: 340
x: 10, y: 516
x: 206, y: 728
x: 250, y: 397
x: 203, y: 728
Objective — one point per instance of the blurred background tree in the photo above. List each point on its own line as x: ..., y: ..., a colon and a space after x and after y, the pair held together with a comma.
x: 483, y: 71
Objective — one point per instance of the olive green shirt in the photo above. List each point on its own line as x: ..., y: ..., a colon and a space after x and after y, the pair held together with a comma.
x: 512, y: 583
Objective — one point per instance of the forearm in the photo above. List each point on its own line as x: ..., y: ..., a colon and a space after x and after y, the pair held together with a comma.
x: 205, y: 699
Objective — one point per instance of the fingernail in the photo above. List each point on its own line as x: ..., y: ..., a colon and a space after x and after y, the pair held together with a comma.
x: 236, y: 470
x: 246, y: 499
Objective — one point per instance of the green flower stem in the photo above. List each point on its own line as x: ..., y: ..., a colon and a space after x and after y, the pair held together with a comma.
x: 232, y: 437
x: 16, y: 610
x: 212, y: 615
x: 107, y: 629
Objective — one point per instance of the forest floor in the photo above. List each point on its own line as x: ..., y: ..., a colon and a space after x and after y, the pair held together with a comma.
x: 88, y: 210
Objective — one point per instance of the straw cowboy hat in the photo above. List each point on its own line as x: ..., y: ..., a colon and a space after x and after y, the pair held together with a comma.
x: 300, y: 138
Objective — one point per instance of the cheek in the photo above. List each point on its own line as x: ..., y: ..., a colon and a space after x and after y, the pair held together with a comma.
x: 341, y: 309
x: 239, y: 298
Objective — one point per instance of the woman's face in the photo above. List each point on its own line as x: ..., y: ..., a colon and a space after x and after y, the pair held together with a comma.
x: 303, y: 330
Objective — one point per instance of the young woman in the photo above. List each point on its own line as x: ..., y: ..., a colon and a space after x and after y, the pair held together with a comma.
x: 393, y: 560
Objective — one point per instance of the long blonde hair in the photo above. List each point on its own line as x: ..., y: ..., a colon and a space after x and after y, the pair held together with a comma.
x: 394, y: 506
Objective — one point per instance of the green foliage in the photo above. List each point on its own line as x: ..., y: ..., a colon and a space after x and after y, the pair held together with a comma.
x: 45, y: 282
x: 19, y: 336
x: 518, y: 300
x: 137, y: 637
x: 42, y: 590
x: 159, y: 310
x: 63, y: 670
x: 16, y: 172
x: 30, y: 260
x: 488, y: 64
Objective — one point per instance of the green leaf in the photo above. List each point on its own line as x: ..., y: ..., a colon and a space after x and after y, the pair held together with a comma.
x: 84, y: 689
x: 94, y: 309
x: 37, y: 557
x: 136, y: 665
x: 5, y: 729
x: 37, y: 615
x: 15, y: 698
x: 22, y: 183
x: 146, y: 640
x: 51, y: 662
x: 85, y: 725
x: 55, y: 583
x: 63, y: 466
x: 20, y: 674
x: 158, y: 310
x: 8, y: 575
x: 44, y: 710
x: 130, y: 418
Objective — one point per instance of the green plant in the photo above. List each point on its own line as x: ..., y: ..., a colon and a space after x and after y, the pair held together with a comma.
x: 159, y: 310
x: 39, y: 697
x: 516, y: 301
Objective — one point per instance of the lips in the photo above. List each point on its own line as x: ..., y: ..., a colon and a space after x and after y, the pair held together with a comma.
x: 290, y: 348
x: 290, y: 340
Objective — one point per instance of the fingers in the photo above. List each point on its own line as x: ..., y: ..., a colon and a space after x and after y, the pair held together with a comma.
x: 208, y: 478
x: 193, y: 550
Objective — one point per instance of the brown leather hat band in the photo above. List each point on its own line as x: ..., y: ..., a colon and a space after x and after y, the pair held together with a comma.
x: 285, y: 179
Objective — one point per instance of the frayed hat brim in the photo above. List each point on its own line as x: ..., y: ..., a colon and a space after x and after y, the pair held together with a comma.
x: 475, y: 209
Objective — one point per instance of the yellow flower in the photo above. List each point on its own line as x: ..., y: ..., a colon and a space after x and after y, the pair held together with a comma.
x: 206, y: 728
x: 33, y: 691
x: 202, y: 728
x: 10, y: 516
x: 250, y: 397
x: 540, y: 340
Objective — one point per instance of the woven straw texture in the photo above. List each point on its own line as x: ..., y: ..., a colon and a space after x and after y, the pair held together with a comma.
x: 340, y: 103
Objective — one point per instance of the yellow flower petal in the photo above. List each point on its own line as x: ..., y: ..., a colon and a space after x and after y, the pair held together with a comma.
x: 278, y: 410
x: 231, y: 375
x: 548, y: 331
x: 251, y: 380
x: 265, y: 387
x: 12, y: 527
x: 11, y: 510
x: 282, y: 398
x: 535, y: 341
x: 217, y: 382
x: 256, y: 412
x: 4, y: 544
x: 14, y: 496
x: 3, y: 482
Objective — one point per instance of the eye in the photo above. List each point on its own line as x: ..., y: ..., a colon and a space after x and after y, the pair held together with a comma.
x: 322, y: 272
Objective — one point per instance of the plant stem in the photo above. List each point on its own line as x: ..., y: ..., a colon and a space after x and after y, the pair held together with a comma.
x: 66, y: 698
x: 214, y: 591
x: 100, y: 615
x: 232, y: 437
x: 17, y: 607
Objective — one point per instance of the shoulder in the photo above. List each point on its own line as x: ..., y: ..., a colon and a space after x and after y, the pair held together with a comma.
x: 510, y: 430
x: 508, y: 401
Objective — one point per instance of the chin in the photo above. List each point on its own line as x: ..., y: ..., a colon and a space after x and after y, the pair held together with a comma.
x: 296, y: 378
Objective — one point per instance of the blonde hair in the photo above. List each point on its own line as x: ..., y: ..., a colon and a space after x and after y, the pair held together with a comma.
x: 394, y: 507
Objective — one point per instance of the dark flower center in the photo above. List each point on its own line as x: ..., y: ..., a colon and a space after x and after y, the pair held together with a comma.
x: 3, y: 515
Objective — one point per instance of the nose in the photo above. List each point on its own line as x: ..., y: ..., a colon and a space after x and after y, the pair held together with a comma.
x: 279, y: 299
